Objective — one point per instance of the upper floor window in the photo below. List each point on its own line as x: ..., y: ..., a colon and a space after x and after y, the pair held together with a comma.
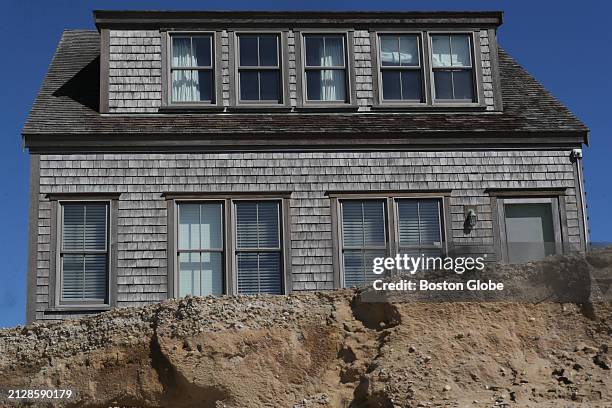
x: 259, y: 69
x: 325, y: 67
x: 400, y: 67
x: 451, y: 58
x: 191, y: 68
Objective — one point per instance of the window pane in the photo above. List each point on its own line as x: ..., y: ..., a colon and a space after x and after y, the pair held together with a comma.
x: 419, y: 222
x: 202, y: 51
x: 248, y: 273
x: 529, y: 231
x: 409, y: 51
x: 429, y: 222
x: 389, y: 50
x: 259, y: 272
x: 267, y: 218
x: 257, y: 225
x: 200, y: 274
x: 359, y: 266
x: 334, y: 52
x: 326, y: 85
x: 374, y: 223
x: 191, y: 86
x: 392, y: 87
x: 464, y: 87
x: 411, y: 84
x: 95, y: 227
x: 95, y: 277
x: 269, y: 85
x: 74, y: 226
x: 249, y: 86
x: 363, y: 223
x: 268, y: 51
x: 443, y: 84
x: 84, y: 277
x: 248, y: 50
x: 460, y: 44
x: 440, y: 53
x: 270, y: 273
x: 73, y: 276
x: 211, y: 226
x: 189, y: 226
x: 314, y: 50
x: 181, y: 52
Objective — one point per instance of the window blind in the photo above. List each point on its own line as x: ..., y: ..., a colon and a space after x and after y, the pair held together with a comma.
x: 258, y: 250
x: 84, y: 252
x: 419, y: 227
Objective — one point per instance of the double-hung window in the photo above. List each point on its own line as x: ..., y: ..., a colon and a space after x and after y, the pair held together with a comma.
x: 192, y: 68
x: 400, y: 67
x: 364, y: 237
x: 368, y: 230
x: 200, y: 249
x: 258, y: 247
x: 325, y: 67
x: 259, y: 69
x: 83, y: 252
x: 452, y: 65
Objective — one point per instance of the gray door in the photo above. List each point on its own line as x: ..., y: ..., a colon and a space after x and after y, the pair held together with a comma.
x: 531, y: 230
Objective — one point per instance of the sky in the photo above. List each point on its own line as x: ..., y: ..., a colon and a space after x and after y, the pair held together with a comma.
x: 566, y: 45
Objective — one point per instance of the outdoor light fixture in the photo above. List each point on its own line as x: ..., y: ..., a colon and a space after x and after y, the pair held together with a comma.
x: 470, y: 219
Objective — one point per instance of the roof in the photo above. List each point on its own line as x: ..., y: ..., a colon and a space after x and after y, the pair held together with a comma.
x: 157, y: 18
x: 67, y: 107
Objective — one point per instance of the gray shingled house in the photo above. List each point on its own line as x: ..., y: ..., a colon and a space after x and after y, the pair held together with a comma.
x: 178, y: 153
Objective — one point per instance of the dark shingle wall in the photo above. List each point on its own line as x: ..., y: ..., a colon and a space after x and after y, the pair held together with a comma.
x: 142, y: 178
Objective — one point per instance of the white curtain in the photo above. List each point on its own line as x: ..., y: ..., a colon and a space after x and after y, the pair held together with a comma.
x: 332, y: 81
x: 185, y: 83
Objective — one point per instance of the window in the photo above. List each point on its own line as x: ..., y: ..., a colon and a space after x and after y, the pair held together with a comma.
x: 83, y: 252
x: 365, y: 235
x: 325, y: 68
x: 258, y: 247
x: 530, y: 228
x: 200, y: 249
x: 191, y: 68
x: 259, y: 72
x: 363, y: 239
x: 451, y: 57
x: 419, y: 228
x: 400, y: 67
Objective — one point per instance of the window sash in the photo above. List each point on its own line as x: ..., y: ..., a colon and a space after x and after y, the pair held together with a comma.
x: 241, y: 252
x: 259, y: 66
x: 84, y: 254
x: 324, y: 67
x: 193, y: 68
x: 400, y: 66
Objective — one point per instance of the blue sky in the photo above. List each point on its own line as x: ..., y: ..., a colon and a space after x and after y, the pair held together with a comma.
x: 566, y: 45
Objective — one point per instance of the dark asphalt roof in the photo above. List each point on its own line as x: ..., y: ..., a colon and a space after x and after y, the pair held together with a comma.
x: 67, y: 104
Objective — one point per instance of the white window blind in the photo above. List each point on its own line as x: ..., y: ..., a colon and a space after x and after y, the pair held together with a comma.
x: 200, y: 249
x: 363, y: 239
x: 419, y: 227
x: 258, y: 247
x: 84, y: 252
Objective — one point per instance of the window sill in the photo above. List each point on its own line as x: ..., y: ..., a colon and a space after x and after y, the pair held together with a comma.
x: 190, y: 108
x: 436, y: 107
x: 327, y: 107
x: 258, y: 107
x: 78, y: 308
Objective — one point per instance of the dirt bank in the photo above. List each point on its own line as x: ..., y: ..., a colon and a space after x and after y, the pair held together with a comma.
x: 327, y: 349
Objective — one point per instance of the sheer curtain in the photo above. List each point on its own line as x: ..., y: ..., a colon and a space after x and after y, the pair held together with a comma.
x: 332, y: 80
x: 185, y: 83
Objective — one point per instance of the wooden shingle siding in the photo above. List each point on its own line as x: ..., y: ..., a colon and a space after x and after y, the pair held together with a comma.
x: 142, y: 178
x: 487, y: 77
x: 134, y: 59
